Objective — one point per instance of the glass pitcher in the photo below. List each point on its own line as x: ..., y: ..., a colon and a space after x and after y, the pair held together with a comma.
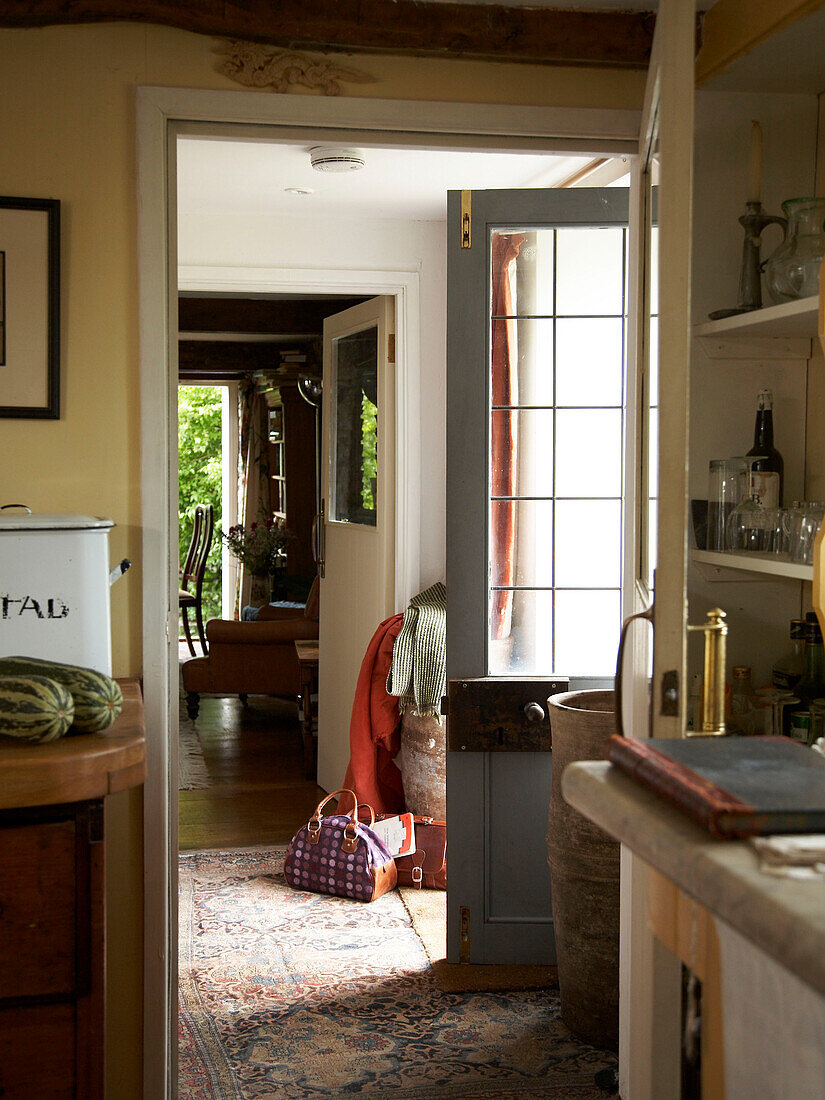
x: 792, y: 271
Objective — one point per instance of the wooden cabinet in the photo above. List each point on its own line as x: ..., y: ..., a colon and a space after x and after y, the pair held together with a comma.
x: 775, y: 347
x: 52, y: 905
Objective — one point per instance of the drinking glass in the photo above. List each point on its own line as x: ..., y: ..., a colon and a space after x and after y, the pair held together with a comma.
x: 747, y: 528
x: 726, y: 477
x: 805, y: 530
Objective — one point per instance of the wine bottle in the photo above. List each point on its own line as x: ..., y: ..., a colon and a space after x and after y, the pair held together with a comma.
x: 787, y: 671
x: 812, y: 684
x: 767, y: 467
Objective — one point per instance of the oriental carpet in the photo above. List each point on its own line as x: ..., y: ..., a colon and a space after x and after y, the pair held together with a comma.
x: 290, y: 994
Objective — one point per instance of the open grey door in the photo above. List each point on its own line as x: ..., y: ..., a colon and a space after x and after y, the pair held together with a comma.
x: 537, y: 320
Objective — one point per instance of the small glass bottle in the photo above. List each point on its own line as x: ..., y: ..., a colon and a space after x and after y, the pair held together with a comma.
x: 787, y: 671
x: 741, y: 699
x: 812, y: 684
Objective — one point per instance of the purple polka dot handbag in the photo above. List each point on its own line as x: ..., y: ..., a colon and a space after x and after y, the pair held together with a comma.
x: 340, y: 855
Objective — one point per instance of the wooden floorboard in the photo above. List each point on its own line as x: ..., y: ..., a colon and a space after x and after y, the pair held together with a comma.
x: 258, y: 793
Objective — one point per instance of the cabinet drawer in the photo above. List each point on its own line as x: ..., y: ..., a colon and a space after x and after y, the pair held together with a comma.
x: 38, y: 902
x: 37, y: 1052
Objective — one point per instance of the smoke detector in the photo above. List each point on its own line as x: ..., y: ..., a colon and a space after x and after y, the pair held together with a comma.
x: 325, y: 158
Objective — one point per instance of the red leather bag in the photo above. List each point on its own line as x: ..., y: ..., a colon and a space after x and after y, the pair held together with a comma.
x: 426, y: 867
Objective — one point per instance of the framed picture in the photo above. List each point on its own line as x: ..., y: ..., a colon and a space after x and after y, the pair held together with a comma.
x: 30, y: 308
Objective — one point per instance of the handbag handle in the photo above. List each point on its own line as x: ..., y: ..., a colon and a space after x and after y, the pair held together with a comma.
x: 366, y: 806
x: 350, y: 836
x: 343, y: 790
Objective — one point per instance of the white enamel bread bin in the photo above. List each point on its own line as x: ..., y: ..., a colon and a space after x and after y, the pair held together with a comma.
x: 54, y: 588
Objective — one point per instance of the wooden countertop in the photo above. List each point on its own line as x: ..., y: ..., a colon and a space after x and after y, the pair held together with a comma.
x: 77, y: 767
x: 784, y: 917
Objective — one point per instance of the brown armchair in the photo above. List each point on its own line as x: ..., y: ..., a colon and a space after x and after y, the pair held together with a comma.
x: 252, y: 658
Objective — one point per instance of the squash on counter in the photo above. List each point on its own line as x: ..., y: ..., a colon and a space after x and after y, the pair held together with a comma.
x: 97, y: 698
x: 34, y: 708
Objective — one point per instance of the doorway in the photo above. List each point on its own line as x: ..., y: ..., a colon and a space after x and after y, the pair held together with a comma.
x: 161, y: 113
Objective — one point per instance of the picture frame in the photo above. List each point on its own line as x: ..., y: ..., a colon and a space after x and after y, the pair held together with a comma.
x: 29, y: 308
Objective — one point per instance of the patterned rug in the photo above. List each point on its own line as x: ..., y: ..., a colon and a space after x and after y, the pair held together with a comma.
x: 294, y: 995
x: 193, y: 774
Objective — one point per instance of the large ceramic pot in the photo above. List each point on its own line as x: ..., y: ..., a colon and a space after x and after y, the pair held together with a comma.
x: 584, y: 876
x: 423, y: 760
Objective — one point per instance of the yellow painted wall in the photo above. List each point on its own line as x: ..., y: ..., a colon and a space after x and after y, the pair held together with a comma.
x: 67, y: 119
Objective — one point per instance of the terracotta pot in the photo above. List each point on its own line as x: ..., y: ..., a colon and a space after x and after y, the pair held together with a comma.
x: 423, y: 760
x: 584, y: 876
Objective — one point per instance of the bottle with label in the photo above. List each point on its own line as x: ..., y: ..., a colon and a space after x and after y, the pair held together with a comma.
x: 787, y: 671
x: 812, y: 684
x: 767, y: 465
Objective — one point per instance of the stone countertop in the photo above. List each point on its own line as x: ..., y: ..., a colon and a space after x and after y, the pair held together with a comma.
x: 782, y: 916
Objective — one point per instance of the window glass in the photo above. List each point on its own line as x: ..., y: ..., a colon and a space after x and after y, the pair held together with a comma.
x: 355, y: 431
x: 557, y: 366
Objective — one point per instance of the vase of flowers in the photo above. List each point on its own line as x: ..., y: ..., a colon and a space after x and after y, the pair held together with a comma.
x: 260, y: 548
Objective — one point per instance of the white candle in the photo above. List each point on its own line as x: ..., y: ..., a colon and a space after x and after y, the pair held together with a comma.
x: 755, y: 175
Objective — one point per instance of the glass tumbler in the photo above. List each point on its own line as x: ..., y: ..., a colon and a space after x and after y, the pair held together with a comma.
x: 806, y: 530
x: 725, y: 480
x: 748, y: 527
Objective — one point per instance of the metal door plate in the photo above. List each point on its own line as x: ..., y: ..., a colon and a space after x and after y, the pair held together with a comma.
x: 487, y: 714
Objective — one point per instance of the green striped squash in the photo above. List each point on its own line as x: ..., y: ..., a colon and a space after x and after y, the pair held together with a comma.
x: 34, y: 708
x: 97, y: 697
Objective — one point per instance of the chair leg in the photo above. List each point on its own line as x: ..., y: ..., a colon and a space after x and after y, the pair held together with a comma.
x: 193, y: 702
x: 201, y: 629
x: 184, y: 614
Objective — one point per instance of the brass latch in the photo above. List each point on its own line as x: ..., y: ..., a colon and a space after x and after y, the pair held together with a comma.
x: 466, y: 223
x: 713, y: 704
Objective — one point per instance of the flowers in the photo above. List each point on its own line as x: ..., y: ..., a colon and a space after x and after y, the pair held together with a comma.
x: 260, y: 548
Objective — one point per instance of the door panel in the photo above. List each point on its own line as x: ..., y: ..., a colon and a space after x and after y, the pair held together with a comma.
x: 533, y: 483
x: 358, y: 520
x: 650, y: 978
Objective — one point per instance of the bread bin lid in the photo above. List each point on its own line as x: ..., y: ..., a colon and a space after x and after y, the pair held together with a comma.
x: 24, y: 521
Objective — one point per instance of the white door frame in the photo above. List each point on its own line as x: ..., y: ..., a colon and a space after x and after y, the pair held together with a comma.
x: 403, y: 285
x: 163, y: 113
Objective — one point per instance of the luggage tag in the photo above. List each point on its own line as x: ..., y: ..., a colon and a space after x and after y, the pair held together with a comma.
x: 398, y: 833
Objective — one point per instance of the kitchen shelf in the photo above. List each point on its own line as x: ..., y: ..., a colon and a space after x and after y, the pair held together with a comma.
x: 765, y: 565
x: 788, y: 319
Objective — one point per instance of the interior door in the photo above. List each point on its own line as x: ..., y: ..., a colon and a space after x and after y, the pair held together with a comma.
x: 355, y: 532
x: 536, y: 327
x: 661, y: 200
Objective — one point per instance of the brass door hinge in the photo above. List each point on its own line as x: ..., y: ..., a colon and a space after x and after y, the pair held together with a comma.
x: 466, y: 218
x: 391, y: 347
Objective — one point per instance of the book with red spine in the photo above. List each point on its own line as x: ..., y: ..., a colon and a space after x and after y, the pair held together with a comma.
x: 734, y: 787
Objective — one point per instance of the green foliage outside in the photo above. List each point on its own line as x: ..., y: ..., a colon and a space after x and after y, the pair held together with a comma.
x: 199, y: 479
x: 369, y: 452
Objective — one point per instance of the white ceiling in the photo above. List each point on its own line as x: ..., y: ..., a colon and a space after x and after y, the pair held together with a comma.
x: 230, y: 177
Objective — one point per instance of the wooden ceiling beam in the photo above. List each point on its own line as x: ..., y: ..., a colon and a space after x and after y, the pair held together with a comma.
x: 432, y: 29
x: 299, y: 317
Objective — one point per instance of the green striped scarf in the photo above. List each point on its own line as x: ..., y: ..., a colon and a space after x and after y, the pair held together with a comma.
x: 418, y: 670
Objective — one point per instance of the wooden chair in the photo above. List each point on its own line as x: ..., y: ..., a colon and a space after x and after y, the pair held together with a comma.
x: 192, y: 573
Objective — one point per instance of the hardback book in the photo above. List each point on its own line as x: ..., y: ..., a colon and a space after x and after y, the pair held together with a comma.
x: 733, y: 786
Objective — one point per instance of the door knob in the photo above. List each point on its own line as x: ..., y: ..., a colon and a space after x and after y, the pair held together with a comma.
x: 534, y: 713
